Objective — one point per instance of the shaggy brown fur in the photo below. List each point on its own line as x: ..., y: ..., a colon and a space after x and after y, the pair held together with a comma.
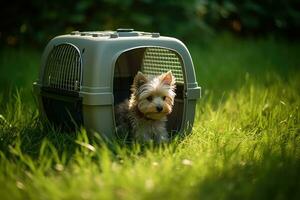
x: 143, y: 117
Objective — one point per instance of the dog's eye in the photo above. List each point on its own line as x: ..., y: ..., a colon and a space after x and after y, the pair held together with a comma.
x: 164, y: 98
x: 150, y: 98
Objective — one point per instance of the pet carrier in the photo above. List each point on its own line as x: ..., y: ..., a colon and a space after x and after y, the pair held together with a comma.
x: 84, y: 75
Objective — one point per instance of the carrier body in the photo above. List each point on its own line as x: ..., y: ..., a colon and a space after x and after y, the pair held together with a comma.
x: 84, y: 75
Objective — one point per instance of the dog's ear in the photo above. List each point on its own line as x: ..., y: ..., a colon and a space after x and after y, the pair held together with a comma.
x: 168, y: 78
x: 139, y: 80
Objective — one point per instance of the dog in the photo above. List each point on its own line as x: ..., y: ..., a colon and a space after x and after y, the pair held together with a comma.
x: 143, y: 117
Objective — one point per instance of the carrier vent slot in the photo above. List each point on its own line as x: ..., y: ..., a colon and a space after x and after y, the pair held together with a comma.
x: 63, y: 69
x: 160, y: 60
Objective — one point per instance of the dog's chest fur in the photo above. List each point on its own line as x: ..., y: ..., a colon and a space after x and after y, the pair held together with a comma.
x: 147, y: 129
x: 139, y: 127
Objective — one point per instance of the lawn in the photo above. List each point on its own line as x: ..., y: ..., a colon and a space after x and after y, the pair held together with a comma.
x: 245, y: 143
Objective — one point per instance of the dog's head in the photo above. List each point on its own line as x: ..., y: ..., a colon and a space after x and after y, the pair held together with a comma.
x: 153, y: 95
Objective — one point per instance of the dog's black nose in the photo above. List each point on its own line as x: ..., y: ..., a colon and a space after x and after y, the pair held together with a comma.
x: 159, y: 108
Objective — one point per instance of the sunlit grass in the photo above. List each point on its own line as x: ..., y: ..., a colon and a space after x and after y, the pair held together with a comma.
x: 245, y: 142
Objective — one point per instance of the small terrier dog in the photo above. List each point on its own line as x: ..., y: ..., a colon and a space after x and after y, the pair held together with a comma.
x: 144, y: 116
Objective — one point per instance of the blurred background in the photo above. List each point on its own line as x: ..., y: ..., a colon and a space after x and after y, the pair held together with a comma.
x: 34, y: 22
x: 222, y: 35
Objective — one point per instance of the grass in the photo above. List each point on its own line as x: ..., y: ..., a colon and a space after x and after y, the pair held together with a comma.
x: 245, y: 142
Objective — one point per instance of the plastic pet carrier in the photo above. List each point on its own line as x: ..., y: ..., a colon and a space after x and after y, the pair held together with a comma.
x: 83, y: 75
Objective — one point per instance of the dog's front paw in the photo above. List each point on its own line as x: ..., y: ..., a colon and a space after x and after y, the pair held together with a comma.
x: 164, y: 138
x: 144, y: 138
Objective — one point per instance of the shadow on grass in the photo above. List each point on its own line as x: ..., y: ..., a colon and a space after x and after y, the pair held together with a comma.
x: 29, y: 138
x: 266, y: 178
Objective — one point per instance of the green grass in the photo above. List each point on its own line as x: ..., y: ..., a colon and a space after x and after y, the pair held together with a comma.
x: 245, y: 142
